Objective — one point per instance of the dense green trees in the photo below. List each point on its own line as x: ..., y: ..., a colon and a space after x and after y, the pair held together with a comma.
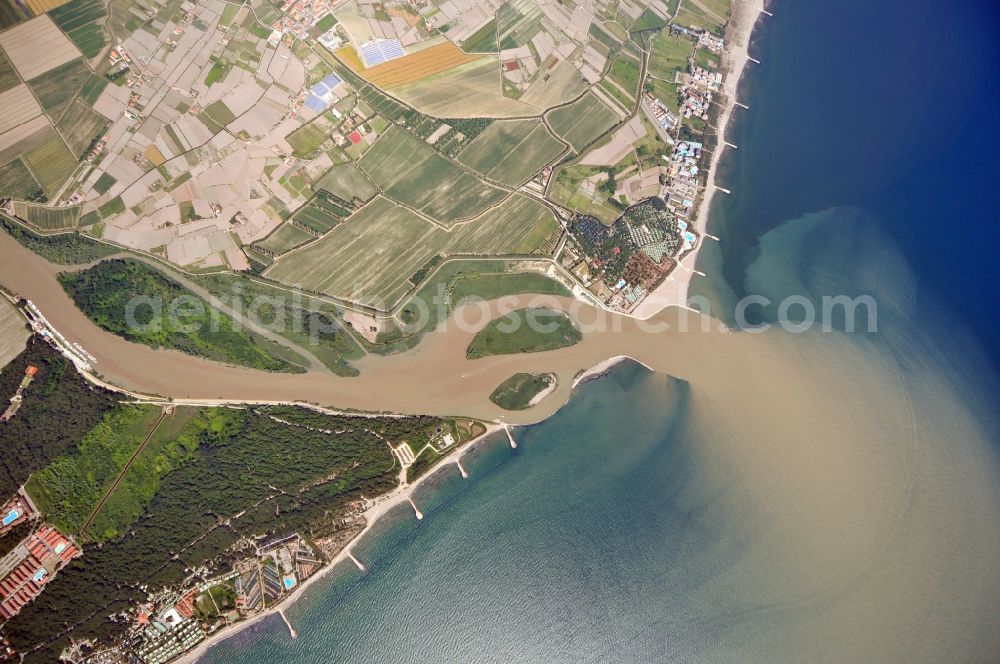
x: 135, y: 301
x: 58, y: 410
x: 280, y: 469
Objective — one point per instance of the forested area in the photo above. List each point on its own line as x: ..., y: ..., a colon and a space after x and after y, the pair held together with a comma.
x: 284, y: 468
x: 167, y: 315
x: 65, y: 248
x: 58, y: 410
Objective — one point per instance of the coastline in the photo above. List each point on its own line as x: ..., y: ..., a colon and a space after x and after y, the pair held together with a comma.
x: 378, y: 508
x: 674, y: 289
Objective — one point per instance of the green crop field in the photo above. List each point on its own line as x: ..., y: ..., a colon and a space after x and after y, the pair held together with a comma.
x: 220, y: 113
x: 104, y: 182
x: 516, y: 227
x: 511, y: 151
x: 79, y: 125
x: 347, y: 182
x: 285, y: 237
x: 319, y: 217
x: 52, y: 164
x: 489, y: 285
x: 524, y: 331
x: 56, y: 88
x: 306, y: 139
x: 484, y: 40
x: 81, y: 21
x: 372, y: 257
x: 668, y: 55
x: 411, y: 172
x: 46, y: 218
x: 93, y: 88
x: 367, y: 259
x: 16, y: 181
x: 8, y: 75
x: 625, y: 72
x: 583, y: 121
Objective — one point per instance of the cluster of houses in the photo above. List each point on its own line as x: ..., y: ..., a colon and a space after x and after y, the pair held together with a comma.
x: 171, y: 623
x: 30, y: 565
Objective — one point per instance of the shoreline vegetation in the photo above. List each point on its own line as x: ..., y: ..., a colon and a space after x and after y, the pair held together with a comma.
x: 179, y: 490
x: 529, y: 330
x: 104, y: 291
x: 523, y: 390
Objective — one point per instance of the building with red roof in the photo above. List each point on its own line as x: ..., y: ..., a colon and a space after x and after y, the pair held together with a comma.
x: 25, y: 570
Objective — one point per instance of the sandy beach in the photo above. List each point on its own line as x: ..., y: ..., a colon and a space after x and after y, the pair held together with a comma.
x: 674, y: 289
x: 377, y: 508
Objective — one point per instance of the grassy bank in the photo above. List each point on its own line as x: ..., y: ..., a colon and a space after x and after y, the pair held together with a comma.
x: 304, y: 321
x: 64, y: 249
x: 524, y: 331
x: 516, y: 392
x: 168, y: 316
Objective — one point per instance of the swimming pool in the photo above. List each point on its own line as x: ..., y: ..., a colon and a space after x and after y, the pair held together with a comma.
x: 11, y: 517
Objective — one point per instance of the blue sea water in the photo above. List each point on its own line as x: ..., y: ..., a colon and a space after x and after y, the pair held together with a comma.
x: 880, y: 106
x: 621, y: 529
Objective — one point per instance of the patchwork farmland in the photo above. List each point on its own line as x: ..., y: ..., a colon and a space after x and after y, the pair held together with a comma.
x: 347, y: 182
x: 368, y: 259
x: 511, y: 151
x: 371, y: 257
x: 412, y: 173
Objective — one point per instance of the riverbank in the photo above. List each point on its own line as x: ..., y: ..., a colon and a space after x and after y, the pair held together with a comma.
x: 673, y: 292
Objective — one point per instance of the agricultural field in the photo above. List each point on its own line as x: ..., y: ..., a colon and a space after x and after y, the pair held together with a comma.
x: 17, y: 106
x: 669, y: 54
x: 511, y: 151
x: 8, y: 75
x: 92, y: 89
x: 284, y: 238
x: 12, y: 14
x: 411, y: 172
x: 625, y: 72
x: 37, y: 46
x: 79, y: 125
x: 471, y: 90
x: 321, y: 214
x: 709, y: 14
x: 81, y: 20
x: 483, y: 40
x: 410, y: 68
x: 16, y: 181
x: 367, y: 259
x: 519, y: 226
x: 52, y: 164
x: 47, y: 218
x: 583, y: 121
x: 372, y: 258
x: 347, y: 182
x: 56, y: 88
x: 306, y: 139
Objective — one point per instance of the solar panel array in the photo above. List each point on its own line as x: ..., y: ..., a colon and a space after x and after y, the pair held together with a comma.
x: 381, y: 50
x: 315, y: 104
